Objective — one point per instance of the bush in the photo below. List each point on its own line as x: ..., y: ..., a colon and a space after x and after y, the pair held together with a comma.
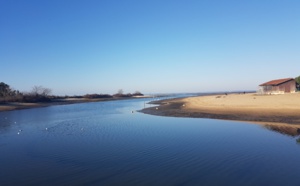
x: 137, y: 94
x: 94, y: 96
x: 35, y: 98
x: 122, y: 95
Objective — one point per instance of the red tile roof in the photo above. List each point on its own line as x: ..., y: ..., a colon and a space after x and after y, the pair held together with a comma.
x: 277, y: 82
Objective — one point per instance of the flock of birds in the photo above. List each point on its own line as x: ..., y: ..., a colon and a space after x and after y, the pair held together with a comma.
x: 20, y: 130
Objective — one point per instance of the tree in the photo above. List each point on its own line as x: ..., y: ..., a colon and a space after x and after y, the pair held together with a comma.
x: 120, y: 91
x: 4, y: 89
x: 40, y: 91
x: 297, y: 79
x: 8, y: 94
x: 137, y: 93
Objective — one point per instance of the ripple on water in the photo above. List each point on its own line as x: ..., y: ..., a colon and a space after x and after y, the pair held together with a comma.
x: 105, y: 144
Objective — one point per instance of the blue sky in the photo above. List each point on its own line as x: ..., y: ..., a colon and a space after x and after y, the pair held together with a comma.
x: 155, y: 46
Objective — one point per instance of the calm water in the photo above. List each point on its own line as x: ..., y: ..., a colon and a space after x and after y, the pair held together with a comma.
x: 105, y: 144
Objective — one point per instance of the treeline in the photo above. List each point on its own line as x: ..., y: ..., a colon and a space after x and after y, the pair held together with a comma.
x: 37, y: 94
x: 119, y: 94
x: 42, y: 94
x: 95, y: 96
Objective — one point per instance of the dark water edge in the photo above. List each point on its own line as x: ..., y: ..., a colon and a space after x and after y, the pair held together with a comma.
x: 104, y: 143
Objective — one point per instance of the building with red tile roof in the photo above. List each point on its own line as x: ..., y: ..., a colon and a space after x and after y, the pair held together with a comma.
x: 278, y: 86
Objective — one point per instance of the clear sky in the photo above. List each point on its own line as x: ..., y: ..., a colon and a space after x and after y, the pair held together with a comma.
x: 154, y: 46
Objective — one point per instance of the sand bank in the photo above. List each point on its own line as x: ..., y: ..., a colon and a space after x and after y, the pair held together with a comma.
x: 266, y: 109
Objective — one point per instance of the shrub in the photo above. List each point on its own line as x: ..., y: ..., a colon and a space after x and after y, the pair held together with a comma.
x: 94, y: 96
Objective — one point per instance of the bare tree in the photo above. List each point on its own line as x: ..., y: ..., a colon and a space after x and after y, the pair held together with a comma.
x: 36, y: 90
x: 120, y: 91
x: 46, y: 92
x: 40, y: 91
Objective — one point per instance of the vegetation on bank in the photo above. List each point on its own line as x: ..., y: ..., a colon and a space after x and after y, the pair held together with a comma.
x: 297, y: 79
x: 37, y: 94
x: 42, y: 94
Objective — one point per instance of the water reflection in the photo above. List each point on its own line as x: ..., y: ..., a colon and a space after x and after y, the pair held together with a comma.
x: 5, y: 123
x: 284, y: 129
x: 290, y: 130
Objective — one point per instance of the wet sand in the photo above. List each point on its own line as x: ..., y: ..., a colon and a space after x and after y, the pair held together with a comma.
x: 264, y: 109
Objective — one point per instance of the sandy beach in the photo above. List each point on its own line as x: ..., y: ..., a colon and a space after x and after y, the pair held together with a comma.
x: 265, y: 109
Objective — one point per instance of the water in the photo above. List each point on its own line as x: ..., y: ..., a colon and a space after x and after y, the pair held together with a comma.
x: 105, y: 144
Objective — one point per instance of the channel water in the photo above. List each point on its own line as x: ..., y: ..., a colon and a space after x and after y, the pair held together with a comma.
x: 105, y: 143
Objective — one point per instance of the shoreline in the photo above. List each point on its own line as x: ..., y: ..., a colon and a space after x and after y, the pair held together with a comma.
x: 259, y: 109
x: 11, y: 106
